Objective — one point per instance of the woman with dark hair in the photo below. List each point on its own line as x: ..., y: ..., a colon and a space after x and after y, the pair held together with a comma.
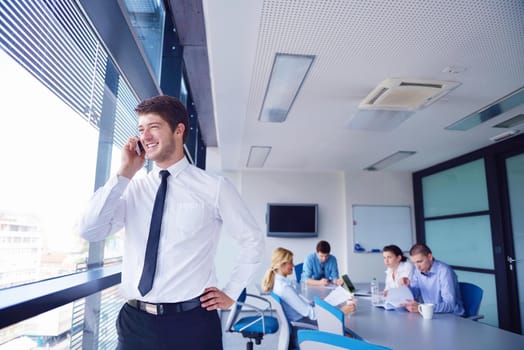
x: 399, y: 267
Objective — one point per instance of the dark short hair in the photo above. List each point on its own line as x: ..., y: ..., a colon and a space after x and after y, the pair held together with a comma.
x: 395, y: 250
x: 169, y: 108
x: 323, y: 247
x: 420, y: 248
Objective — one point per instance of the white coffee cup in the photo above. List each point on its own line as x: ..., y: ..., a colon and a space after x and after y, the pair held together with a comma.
x: 426, y: 310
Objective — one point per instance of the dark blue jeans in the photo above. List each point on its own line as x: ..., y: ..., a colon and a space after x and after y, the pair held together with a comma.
x: 197, y: 329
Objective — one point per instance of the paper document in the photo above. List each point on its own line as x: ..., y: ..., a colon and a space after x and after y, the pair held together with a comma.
x: 396, y: 297
x: 338, y: 296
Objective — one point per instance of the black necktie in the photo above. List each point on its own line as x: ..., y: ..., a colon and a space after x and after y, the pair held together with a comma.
x: 148, y: 273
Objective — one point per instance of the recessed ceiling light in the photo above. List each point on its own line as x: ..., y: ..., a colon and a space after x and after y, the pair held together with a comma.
x: 258, y: 156
x: 287, y: 77
x: 504, y: 135
x: 511, y: 122
x: 389, y: 160
x: 492, y: 110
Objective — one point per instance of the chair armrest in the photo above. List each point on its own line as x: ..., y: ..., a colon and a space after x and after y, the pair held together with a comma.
x: 260, y: 298
x: 253, y: 307
x: 303, y: 325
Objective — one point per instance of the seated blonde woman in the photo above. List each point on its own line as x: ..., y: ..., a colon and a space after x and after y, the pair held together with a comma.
x: 295, y: 307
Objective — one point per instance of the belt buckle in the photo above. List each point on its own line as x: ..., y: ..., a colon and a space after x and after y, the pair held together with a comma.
x: 151, y: 308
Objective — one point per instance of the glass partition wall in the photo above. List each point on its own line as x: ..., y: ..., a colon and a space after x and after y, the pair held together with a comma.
x: 458, y: 227
x: 469, y: 212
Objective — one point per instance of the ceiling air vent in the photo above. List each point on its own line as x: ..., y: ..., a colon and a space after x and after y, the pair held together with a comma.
x: 406, y: 94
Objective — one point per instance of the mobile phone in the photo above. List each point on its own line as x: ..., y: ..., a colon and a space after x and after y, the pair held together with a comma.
x: 139, y: 148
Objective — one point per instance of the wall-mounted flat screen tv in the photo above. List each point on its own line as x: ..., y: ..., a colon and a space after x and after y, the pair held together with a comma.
x: 292, y: 220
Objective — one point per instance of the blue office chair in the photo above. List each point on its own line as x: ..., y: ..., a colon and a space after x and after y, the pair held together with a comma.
x: 471, y: 298
x: 252, y: 327
x: 298, y: 271
x: 286, y: 327
x: 314, y: 340
x: 331, y: 319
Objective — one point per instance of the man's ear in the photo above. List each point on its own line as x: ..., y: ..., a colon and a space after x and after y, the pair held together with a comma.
x: 180, y: 128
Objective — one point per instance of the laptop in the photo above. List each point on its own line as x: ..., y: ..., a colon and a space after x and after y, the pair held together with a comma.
x: 350, y: 287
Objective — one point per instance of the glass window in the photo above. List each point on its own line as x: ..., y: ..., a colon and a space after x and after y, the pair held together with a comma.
x: 52, y: 115
x: 40, y: 201
x: 148, y: 18
x: 62, y: 328
x: 462, y: 241
x: 461, y: 189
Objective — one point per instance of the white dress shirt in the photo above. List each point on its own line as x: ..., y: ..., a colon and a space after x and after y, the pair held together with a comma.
x: 404, y: 269
x: 197, y: 206
x: 295, y: 307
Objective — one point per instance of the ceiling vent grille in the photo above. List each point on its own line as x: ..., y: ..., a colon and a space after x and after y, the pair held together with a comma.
x: 406, y: 94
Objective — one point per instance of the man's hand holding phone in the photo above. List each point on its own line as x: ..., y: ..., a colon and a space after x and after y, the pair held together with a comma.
x: 133, y: 158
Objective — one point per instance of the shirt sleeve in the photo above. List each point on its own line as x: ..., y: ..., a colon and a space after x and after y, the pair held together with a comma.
x: 290, y: 296
x: 307, y: 269
x: 332, y: 269
x: 414, y: 286
x: 241, y: 225
x: 448, y: 295
x: 104, y: 213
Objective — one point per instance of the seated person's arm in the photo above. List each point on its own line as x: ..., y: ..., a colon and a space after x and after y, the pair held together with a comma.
x: 320, y: 282
x: 333, y: 274
x: 290, y: 296
x: 349, y: 307
x: 308, y: 272
x: 448, y: 297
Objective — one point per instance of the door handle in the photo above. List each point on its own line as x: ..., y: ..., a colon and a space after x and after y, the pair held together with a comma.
x: 511, y: 260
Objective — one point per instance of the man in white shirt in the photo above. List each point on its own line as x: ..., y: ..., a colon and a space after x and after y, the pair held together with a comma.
x: 179, y: 310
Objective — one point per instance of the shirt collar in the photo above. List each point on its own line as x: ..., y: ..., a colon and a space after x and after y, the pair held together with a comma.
x: 175, y: 169
x: 282, y: 278
x: 432, y: 269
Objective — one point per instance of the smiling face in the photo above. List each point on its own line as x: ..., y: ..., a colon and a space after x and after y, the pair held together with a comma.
x: 162, y: 145
x: 391, y: 260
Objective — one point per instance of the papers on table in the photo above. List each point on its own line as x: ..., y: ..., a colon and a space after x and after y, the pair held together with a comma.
x: 395, y: 297
x: 338, y: 296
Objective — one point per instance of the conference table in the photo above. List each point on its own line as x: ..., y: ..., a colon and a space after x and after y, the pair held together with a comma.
x: 400, y: 329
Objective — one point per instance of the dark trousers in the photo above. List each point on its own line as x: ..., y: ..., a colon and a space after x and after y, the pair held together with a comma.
x: 197, y: 329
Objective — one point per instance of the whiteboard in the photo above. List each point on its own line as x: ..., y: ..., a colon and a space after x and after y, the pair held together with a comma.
x: 375, y: 226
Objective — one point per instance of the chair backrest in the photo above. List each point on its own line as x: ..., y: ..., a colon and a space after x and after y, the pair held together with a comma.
x: 235, y: 310
x: 471, y: 297
x: 285, y: 327
x: 298, y: 271
x: 314, y: 340
x: 330, y: 318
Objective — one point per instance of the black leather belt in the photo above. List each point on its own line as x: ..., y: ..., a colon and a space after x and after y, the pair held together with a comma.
x: 165, y: 308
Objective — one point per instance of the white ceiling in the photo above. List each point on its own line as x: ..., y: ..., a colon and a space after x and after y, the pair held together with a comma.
x: 358, y: 44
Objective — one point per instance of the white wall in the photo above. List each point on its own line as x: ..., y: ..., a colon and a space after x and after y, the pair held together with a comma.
x: 325, y: 189
x: 335, y: 193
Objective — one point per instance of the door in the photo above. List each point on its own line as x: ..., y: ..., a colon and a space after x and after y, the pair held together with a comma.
x: 515, y: 258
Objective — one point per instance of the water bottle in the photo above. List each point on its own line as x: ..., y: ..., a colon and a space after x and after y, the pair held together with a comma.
x: 374, y: 291
x: 303, y: 283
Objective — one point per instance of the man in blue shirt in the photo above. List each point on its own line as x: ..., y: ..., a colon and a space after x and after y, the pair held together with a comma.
x: 433, y: 282
x: 321, y: 268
